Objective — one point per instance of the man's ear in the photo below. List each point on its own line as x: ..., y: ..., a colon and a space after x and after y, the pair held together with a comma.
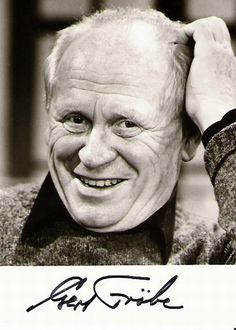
x: 192, y: 139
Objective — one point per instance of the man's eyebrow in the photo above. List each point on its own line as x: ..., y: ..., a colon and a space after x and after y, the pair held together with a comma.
x: 132, y: 112
x: 71, y: 106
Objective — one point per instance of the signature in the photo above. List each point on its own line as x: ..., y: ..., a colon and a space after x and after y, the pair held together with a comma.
x: 71, y: 293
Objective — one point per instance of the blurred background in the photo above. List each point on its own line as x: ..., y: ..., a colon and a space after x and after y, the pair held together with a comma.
x: 27, y: 30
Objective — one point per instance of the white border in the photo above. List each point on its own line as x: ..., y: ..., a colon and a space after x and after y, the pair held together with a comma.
x: 208, y: 294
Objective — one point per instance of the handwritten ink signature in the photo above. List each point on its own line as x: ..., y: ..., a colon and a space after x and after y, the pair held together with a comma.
x: 62, y: 297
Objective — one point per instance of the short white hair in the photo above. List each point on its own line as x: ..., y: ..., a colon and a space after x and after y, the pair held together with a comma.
x: 165, y: 30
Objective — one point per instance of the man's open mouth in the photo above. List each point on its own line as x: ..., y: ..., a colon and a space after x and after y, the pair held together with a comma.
x: 99, y: 183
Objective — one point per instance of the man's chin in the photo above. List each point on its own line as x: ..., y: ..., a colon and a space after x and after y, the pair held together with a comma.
x: 104, y: 224
x: 107, y: 218
x: 98, y: 222
x: 117, y: 227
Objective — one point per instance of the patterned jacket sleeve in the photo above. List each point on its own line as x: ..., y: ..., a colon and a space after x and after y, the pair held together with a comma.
x: 220, y: 162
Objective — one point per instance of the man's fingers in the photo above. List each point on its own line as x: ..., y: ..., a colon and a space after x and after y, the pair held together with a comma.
x: 208, y: 28
x: 211, y: 29
x: 197, y: 30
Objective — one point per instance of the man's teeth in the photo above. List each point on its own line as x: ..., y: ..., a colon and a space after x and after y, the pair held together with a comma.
x: 99, y: 183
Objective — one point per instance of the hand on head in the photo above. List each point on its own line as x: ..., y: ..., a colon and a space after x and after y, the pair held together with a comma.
x: 211, y: 84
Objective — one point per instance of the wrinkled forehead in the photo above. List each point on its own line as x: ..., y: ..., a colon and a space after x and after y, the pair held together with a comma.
x: 132, y: 50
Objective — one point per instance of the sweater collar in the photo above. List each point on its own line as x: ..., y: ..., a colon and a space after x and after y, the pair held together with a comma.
x: 48, y: 205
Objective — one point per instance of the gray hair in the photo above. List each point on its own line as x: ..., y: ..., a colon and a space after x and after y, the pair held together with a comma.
x: 166, y: 30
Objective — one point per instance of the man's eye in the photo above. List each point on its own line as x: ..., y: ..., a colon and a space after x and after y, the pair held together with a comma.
x: 76, y: 123
x: 126, y: 128
x: 77, y: 119
x: 128, y: 124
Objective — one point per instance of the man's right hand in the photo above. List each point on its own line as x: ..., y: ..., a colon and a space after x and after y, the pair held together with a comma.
x: 211, y: 84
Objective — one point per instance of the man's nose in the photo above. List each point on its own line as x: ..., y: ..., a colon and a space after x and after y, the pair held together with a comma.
x: 97, y: 150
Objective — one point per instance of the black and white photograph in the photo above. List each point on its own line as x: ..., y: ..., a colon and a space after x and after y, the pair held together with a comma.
x: 118, y: 164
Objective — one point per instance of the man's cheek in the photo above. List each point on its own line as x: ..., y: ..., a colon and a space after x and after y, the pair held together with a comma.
x: 64, y: 147
x: 54, y: 135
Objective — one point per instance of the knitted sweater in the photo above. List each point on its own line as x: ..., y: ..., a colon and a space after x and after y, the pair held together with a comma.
x: 195, y: 242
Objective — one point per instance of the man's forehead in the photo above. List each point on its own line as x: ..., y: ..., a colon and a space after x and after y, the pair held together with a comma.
x: 131, y: 50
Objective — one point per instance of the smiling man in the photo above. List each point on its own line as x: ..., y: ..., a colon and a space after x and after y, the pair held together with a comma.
x: 118, y: 131
x: 113, y: 141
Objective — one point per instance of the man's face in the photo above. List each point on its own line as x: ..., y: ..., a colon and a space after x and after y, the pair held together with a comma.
x: 114, y: 153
